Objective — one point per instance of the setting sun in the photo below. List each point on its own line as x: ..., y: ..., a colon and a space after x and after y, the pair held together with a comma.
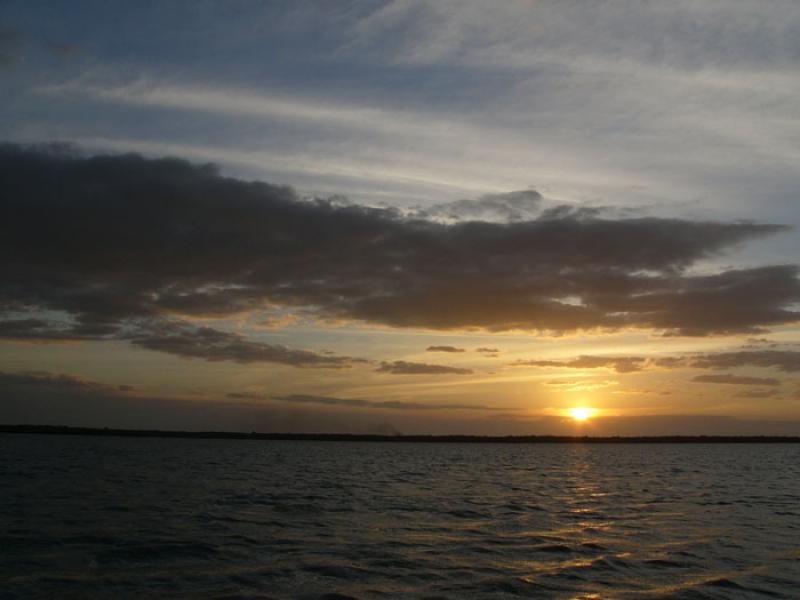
x: 581, y: 413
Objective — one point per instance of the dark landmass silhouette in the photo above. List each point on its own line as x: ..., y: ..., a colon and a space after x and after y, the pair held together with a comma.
x: 349, y: 437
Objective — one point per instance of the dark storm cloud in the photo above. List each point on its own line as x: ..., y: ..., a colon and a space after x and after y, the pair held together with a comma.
x: 401, y: 367
x: 727, y: 378
x: 443, y: 349
x: 214, y: 345
x: 392, y: 404
x: 621, y: 364
x: 106, y: 243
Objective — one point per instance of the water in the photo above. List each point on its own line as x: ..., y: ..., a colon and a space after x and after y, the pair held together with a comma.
x: 88, y: 517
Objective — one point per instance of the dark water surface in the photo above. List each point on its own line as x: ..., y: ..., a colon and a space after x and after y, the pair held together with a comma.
x: 95, y: 517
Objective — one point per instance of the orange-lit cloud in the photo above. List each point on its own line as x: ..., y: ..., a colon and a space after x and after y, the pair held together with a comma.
x: 620, y: 364
x: 729, y: 379
x: 402, y: 367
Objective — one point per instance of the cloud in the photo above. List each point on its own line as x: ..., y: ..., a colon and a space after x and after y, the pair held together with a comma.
x: 620, y: 364
x: 391, y: 404
x: 592, y: 103
x: 443, y: 349
x: 33, y: 329
x: 769, y: 393
x: 735, y: 380
x: 787, y: 361
x: 784, y: 360
x: 524, y: 36
x: 52, y: 382
x: 214, y: 345
x: 758, y: 341
x: 488, y: 350
x: 243, y: 102
x: 509, y: 207
x: 401, y: 367
x: 107, y: 244
x: 579, y: 385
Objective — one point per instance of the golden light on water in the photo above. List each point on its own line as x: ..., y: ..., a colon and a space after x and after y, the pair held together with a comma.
x: 581, y: 413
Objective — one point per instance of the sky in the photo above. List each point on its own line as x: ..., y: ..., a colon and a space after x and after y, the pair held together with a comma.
x: 401, y: 216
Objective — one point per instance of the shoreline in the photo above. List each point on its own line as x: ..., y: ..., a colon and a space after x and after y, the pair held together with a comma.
x: 445, y: 439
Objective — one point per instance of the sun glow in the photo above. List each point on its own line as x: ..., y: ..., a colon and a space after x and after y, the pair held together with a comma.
x: 581, y: 413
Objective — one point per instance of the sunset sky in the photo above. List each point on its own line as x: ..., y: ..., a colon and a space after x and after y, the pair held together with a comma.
x: 401, y: 216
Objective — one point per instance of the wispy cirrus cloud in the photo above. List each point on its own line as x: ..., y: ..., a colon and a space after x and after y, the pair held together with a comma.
x: 249, y: 103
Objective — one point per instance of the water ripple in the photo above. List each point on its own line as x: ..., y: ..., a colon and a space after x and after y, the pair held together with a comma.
x: 125, y: 518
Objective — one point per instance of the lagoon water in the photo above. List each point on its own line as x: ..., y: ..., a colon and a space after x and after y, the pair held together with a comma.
x: 105, y: 517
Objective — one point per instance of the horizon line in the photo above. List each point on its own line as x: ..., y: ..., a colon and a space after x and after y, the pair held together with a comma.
x: 399, y: 437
